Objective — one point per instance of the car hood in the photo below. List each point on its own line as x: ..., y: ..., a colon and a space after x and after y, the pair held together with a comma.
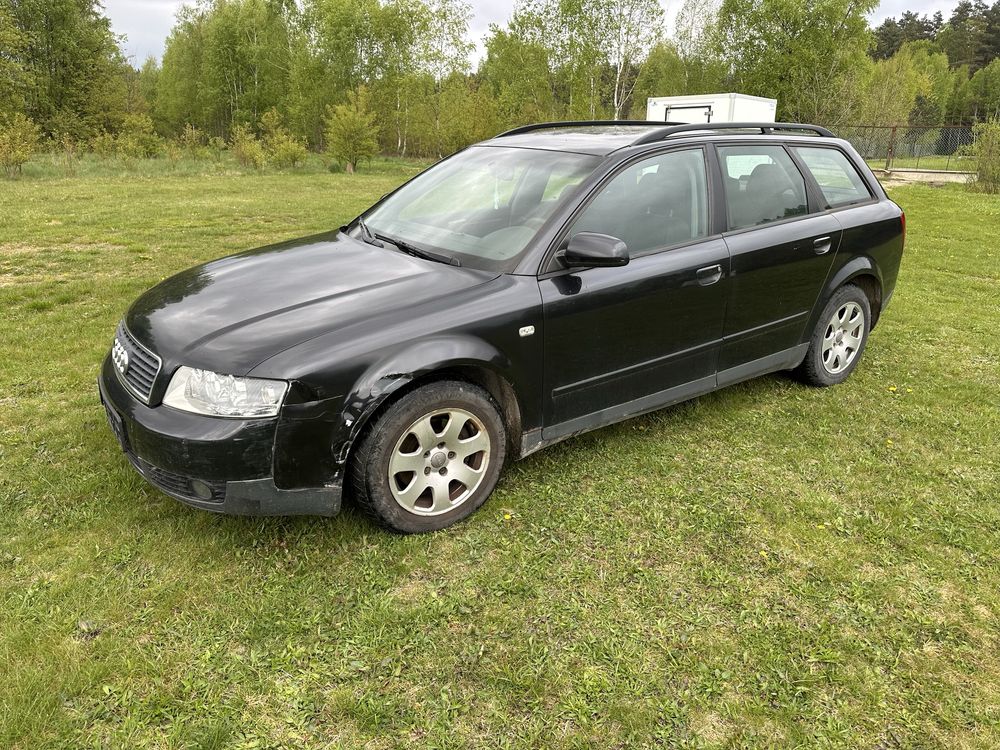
x: 231, y: 314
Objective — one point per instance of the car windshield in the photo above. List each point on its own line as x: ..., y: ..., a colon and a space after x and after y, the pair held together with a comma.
x: 481, y: 206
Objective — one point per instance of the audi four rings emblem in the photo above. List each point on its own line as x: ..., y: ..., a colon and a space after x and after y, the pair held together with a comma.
x: 120, y: 357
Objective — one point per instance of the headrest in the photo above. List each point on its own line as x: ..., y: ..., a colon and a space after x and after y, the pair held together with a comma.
x: 769, y: 178
x: 667, y: 185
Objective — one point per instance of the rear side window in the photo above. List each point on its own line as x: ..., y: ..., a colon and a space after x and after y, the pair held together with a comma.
x: 653, y: 204
x: 837, y: 178
x: 762, y: 185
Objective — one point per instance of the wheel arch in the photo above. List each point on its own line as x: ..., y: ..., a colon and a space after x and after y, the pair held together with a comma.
x: 861, y: 271
x: 456, y: 358
x: 872, y: 287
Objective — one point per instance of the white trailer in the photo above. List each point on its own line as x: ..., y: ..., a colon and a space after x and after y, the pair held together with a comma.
x: 711, y: 108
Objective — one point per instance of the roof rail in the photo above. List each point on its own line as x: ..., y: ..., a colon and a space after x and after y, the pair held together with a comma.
x: 766, y: 128
x: 577, y: 124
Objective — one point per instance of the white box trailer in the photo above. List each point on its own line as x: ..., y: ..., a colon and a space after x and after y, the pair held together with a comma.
x: 711, y: 108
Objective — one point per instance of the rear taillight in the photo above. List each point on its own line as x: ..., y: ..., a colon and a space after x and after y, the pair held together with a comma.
x: 902, y: 222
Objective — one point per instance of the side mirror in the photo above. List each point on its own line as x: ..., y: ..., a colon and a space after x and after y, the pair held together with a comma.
x: 590, y: 249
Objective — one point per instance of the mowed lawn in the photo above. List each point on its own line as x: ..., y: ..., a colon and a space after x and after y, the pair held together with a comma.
x: 768, y: 566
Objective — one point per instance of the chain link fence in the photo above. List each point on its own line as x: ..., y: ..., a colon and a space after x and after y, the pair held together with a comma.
x: 947, y: 148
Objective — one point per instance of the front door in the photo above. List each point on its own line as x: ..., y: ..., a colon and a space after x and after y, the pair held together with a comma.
x: 624, y: 340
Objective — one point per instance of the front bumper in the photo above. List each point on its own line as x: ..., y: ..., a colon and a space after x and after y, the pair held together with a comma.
x: 218, y: 465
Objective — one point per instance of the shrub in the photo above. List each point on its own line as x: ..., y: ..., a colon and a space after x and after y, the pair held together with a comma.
x: 18, y: 141
x: 138, y: 138
x: 246, y: 148
x: 351, y: 133
x: 987, y: 150
x: 174, y: 151
x: 70, y: 154
x: 282, y: 148
x: 965, y: 151
x: 104, y: 145
x: 286, y: 151
x: 191, y: 139
x: 215, y: 147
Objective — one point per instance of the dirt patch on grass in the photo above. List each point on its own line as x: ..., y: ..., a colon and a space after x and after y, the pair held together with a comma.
x: 22, y: 263
x: 711, y: 728
x: 23, y: 249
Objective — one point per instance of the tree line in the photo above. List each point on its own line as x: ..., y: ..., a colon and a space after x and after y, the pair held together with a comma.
x: 397, y: 74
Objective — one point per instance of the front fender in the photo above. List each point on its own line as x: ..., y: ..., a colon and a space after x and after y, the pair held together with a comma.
x: 347, y: 374
x: 386, y: 376
x: 315, y: 437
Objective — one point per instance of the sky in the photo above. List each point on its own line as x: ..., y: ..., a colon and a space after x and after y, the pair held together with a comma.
x: 146, y: 23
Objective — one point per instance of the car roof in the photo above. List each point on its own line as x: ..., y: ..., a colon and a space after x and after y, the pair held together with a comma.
x: 599, y: 140
x: 602, y: 138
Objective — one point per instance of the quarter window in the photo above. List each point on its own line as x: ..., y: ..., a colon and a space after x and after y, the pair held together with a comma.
x: 837, y: 178
x: 762, y: 185
x: 653, y: 204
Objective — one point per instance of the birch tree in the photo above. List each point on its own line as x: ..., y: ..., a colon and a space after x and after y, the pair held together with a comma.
x: 626, y: 31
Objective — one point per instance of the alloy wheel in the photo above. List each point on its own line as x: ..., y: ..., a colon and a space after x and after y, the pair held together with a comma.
x: 439, y: 461
x: 844, y: 334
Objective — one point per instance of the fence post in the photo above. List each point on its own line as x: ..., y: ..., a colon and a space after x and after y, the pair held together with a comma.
x: 892, y: 147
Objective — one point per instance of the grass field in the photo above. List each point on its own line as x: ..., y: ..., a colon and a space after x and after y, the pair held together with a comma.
x: 768, y: 566
x: 938, y: 163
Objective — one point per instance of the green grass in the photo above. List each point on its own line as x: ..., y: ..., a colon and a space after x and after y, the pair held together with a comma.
x: 941, y: 163
x: 768, y: 566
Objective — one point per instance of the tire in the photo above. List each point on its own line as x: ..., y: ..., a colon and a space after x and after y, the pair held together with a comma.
x: 839, y: 339
x: 446, y: 484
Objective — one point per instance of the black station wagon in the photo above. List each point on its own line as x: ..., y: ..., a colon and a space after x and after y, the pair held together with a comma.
x: 549, y: 281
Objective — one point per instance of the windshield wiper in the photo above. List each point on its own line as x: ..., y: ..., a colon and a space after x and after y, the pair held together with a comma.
x: 367, y: 235
x: 418, y: 252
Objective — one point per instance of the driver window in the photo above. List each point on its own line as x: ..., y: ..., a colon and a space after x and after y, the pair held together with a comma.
x: 653, y: 204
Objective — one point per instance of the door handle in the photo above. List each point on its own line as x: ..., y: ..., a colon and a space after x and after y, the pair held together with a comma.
x: 822, y: 245
x: 709, y: 275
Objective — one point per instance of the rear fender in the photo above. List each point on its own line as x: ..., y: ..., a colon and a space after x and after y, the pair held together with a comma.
x: 860, y: 265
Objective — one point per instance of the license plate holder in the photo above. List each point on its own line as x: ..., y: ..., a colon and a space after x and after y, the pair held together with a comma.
x: 117, y: 427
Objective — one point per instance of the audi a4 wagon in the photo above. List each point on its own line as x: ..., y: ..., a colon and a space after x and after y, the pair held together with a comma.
x: 554, y: 279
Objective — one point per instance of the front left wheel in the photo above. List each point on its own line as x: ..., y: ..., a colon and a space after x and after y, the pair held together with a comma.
x: 431, y: 459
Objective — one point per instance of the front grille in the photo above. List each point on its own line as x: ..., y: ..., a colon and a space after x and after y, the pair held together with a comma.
x: 141, y: 366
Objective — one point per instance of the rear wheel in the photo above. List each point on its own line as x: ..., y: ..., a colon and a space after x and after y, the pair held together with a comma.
x: 431, y: 459
x: 839, y: 338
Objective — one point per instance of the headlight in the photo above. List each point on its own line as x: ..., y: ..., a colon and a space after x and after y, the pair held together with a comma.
x: 205, y: 392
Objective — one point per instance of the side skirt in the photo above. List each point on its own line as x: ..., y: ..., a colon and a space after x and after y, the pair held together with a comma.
x: 783, y: 360
x: 535, y: 440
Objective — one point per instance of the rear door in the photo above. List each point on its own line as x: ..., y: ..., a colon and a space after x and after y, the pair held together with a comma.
x: 623, y: 340
x: 781, y: 250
